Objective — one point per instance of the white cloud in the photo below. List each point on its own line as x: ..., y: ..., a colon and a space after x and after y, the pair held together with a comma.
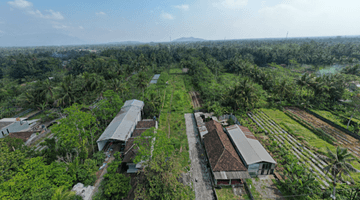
x: 100, y: 13
x: 60, y: 26
x: 182, y: 7
x: 28, y: 7
x: 167, y: 16
x: 20, y: 4
x: 80, y: 27
x: 52, y: 15
x: 232, y: 4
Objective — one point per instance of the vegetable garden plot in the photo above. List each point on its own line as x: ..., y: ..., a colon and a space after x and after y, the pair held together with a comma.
x: 305, y: 156
x: 343, y: 139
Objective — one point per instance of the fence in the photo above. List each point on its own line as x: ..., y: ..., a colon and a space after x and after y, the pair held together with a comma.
x: 335, y: 125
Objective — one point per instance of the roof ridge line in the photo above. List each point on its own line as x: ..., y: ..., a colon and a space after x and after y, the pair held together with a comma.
x: 249, y: 142
x: 220, y: 142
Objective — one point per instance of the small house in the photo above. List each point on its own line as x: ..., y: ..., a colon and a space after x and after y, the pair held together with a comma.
x: 225, y: 164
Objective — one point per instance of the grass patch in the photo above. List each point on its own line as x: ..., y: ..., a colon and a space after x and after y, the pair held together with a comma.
x: 172, y: 119
x: 226, y: 193
x: 298, y: 130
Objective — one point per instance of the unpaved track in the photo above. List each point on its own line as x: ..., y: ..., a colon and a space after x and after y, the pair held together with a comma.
x: 195, y: 97
x: 200, y: 174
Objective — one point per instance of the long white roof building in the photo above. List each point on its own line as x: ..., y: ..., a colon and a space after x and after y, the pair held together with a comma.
x: 123, y: 124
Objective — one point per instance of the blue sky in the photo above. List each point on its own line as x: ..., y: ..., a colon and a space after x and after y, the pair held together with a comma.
x: 157, y: 20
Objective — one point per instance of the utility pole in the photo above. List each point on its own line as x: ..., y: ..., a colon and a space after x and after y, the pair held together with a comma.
x: 287, y: 34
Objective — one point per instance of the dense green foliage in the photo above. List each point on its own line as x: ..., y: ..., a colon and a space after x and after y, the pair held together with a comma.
x: 90, y: 88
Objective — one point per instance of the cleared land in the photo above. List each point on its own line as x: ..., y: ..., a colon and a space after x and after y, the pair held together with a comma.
x: 308, y: 139
x: 305, y: 156
x: 343, y: 139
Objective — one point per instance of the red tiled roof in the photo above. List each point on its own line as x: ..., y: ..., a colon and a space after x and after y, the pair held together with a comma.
x: 221, y: 153
x: 128, y: 144
x: 145, y: 124
x: 21, y: 135
x: 138, y: 132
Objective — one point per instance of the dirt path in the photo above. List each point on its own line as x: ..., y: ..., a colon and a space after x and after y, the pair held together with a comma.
x: 196, y: 101
x: 200, y: 174
x: 101, y: 176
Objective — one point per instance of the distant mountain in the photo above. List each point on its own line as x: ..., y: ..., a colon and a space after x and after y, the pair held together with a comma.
x: 126, y: 43
x: 42, y: 39
x: 188, y: 39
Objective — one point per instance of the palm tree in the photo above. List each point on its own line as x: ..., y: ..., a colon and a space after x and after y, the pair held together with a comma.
x: 283, y: 88
x: 66, y: 93
x: 61, y: 194
x: 302, y: 82
x: 241, y: 95
x: 47, y: 88
x: 338, y: 164
x: 153, y: 102
x: 142, y: 82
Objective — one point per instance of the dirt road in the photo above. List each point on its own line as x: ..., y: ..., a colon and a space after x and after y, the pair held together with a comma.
x: 200, y: 174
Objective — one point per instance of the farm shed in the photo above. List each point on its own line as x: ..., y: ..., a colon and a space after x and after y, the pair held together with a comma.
x: 185, y: 70
x: 225, y: 164
x: 155, y: 79
x: 10, y: 125
x: 256, y: 159
x: 122, y: 126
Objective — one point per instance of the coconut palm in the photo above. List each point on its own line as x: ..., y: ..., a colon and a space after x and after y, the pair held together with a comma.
x: 338, y: 164
x: 302, y: 82
x: 62, y: 194
x: 47, y: 89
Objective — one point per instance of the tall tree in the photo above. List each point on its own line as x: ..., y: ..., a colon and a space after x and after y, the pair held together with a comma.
x: 338, y: 164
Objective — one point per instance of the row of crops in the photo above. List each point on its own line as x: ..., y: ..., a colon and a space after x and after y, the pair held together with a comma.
x: 342, y: 139
x: 287, y: 141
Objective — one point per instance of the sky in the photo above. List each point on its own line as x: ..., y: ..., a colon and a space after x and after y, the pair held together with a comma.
x: 104, y: 21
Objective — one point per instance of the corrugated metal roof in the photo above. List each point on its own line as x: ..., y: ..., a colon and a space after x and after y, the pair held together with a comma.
x: 10, y: 119
x: 153, y: 81
x: 134, y: 102
x: 156, y: 77
x: 121, y: 126
x: 5, y: 124
x: 250, y: 149
x: 231, y: 175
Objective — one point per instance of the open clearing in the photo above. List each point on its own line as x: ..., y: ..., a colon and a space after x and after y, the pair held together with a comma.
x: 343, y: 139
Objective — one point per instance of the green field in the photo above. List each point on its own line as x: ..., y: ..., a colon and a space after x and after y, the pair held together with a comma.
x: 308, y: 136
